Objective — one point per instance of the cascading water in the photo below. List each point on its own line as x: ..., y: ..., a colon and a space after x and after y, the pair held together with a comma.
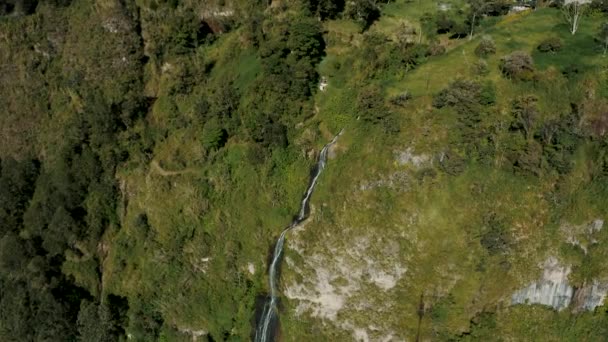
x: 263, y: 332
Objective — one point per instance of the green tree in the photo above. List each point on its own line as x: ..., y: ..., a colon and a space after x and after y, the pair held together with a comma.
x: 13, y: 256
x: 17, y: 184
x: 364, y: 12
x: 370, y: 104
x: 326, y: 9
x: 95, y: 323
x: 214, y: 136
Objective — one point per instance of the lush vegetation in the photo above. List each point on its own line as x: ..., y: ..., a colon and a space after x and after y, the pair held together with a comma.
x: 151, y: 152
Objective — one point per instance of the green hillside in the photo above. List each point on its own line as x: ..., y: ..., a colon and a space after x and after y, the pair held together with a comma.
x: 152, y: 151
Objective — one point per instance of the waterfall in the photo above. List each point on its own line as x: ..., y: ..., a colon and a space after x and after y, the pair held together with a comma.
x: 269, y: 316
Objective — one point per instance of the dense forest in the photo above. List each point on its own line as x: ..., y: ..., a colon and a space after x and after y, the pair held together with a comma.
x: 151, y: 151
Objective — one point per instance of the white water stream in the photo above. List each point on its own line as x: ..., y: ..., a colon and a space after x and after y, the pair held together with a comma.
x: 263, y: 331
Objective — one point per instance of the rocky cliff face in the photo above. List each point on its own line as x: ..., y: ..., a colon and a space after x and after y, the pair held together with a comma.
x: 554, y: 290
x: 590, y: 296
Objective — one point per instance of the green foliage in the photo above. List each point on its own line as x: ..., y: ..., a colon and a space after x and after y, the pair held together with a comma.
x: 452, y: 163
x: 17, y: 179
x: 214, y: 136
x: 525, y: 114
x: 428, y: 25
x: 465, y: 96
x: 326, y: 9
x: 551, y: 44
x: 229, y: 105
x: 95, y: 323
x: 495, y: 236
x: 370, y: 104
x: 444, y: 23
x: 535, y: 322
x: 364, y: 12
x: 602, y: 36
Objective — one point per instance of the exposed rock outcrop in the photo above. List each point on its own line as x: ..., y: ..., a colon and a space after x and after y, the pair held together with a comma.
x: 554, y: 290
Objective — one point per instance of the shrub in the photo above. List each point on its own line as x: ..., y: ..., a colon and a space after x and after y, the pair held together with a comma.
x: 571, y: 71
x: 414, y: 56
x: 525, y: 113
x: 370, y: 104
x: 362, y: 11
x: 495, y: 236
x: 518, y: 65
x: 452, y: 163
x: 214, y: 135
x: 487, y: 95
x: 552, y: 44
x: 460, y: 30
x: 485, y: 47
x: 480, y: 68
x: 400, y: 99
x: 444, y: 23
x: 407, y: 35
x: 464, y: 95
x: 436, y: 49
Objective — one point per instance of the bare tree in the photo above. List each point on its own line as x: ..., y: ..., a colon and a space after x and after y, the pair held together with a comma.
x: 603, y: 36
x: 478, y: 8
x: 573, y: 12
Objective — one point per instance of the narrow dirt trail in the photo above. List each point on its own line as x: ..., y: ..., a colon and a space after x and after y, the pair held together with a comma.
x: 165, y: 173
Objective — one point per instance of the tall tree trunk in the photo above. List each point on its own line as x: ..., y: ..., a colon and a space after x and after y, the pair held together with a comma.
x: 472, y: 26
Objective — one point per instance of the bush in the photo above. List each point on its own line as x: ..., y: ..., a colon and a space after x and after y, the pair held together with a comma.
x: 362, y: 11
x: 518, y: 65
x: 444, y: 23
x: 407, y: 35
x: 464, y: 95
x: 452, y: 163
x: 214, y: 135
x: 460, y: 30
x: 485, y: 47
x: 480, y: 68
x: 436, y: 49
x: 400, y: 99
x: 487, y: 96
x: 370, y: 104
x: 525, y: 113
x: 571, y: 71
x: 552, y: 44
x: 495, y: 236
x: 599, y: 5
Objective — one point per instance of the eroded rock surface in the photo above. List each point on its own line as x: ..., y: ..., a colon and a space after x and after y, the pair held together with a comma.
x: 552, y: 289
x: 335, y: 285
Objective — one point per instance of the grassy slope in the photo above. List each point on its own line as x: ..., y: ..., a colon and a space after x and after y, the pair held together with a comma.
x: 193, y: 262
x: 445, y: 257
x: 166, y: 265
